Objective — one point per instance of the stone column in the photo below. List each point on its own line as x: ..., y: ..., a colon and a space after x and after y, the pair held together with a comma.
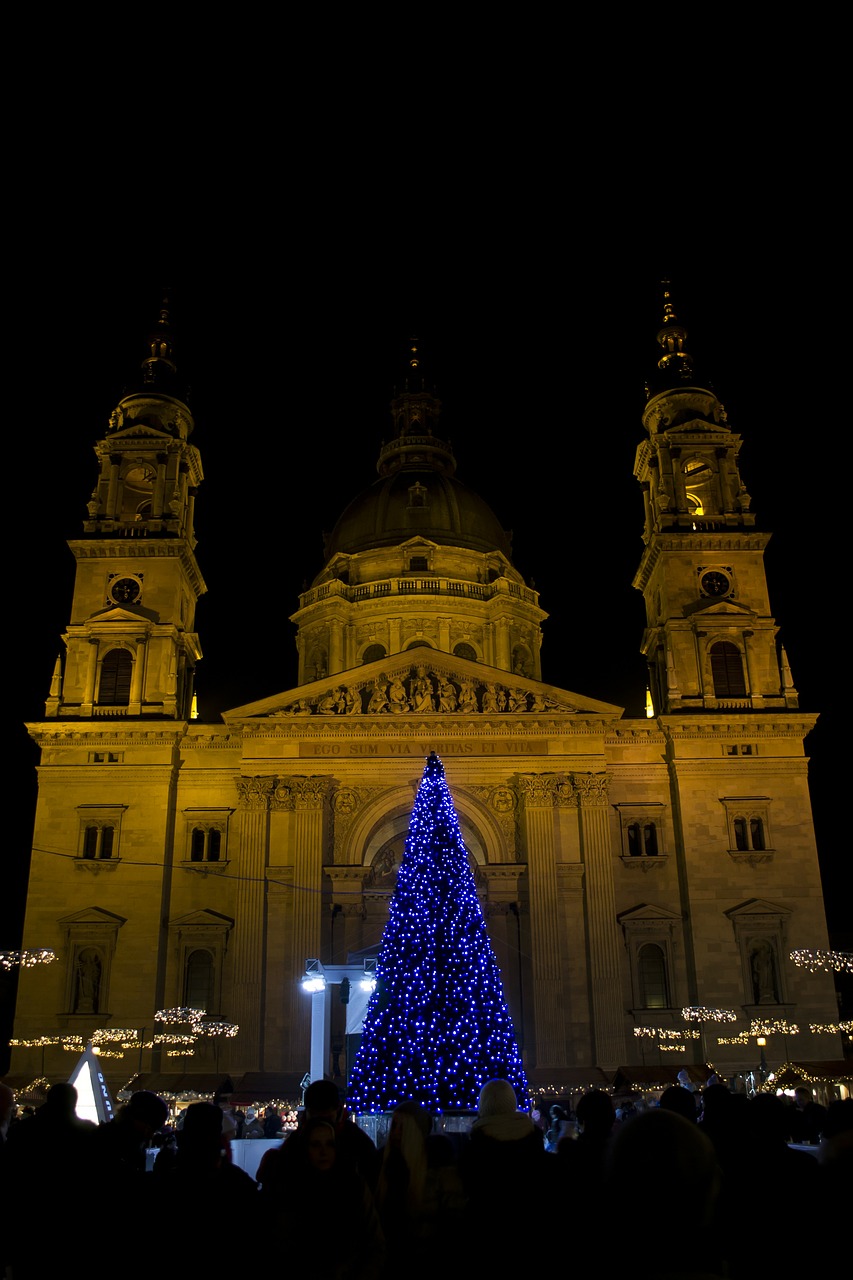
x: 603, y: 931
x: 550, y: 1044
x: 308, y: 798
x: 138, y: 674
x: 504, y: 917
x: 249, y: 969
x: 336, y: 662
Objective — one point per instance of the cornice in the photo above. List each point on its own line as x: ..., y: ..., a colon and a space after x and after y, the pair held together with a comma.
x: 781, y: 724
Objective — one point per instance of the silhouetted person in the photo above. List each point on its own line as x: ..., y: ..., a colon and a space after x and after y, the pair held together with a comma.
x: 42, y: 1164
x: 661, y: 1149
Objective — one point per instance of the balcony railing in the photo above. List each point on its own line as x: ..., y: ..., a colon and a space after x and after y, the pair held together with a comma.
x: 420, y: 586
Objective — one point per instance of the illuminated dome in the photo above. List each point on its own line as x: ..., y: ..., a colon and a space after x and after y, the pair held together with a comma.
x: 417, y: 494
x: 417, y: 500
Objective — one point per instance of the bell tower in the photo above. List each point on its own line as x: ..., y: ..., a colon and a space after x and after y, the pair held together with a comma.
x: 710, y: 639
x: 131, y: 647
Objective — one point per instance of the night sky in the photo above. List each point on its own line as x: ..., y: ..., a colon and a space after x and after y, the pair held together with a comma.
x: 542, y: 381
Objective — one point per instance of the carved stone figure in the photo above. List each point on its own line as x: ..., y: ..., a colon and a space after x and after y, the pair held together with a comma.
x: 331, y: 703
x: 763, y: 973
x: 379, y: 698
x: 490, y: 699
x: 88, y: 982
x: 398, y: 702
x: 467, y: 696
x: 517, y: 700
x: 446, y: 695
x: 352, y: 702
x: 422, y: 699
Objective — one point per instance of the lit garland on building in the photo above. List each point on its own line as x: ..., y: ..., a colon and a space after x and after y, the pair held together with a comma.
x: 437, y: 1026
x: 673, y: 1048
x: 741, y: 1038
x: 760, y: 1027
x: 831, y: 1028
x: 43, y: 1042
x: 181, y: 1014
x: 213, y: 1028
x: 128, y: 1038
x: 26, y: 959
x: 700, y: 1013
x: 166, y: 1037
x: 666, y: 1033
x: 829, y: 961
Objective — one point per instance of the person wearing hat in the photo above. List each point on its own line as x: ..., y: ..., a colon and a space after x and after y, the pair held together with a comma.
x: 254, y: 1126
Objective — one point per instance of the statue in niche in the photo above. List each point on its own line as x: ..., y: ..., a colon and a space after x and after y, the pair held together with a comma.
x: 446, y: 695
x: 88, y: 991
x: 378, y: 699
x: 422, y: 691
x: 397, y: 700
x: 467, y: 696
x: 519, y: 663
x: 762, y: 966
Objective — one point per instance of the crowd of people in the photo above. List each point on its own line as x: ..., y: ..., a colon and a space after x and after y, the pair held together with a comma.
x: 700, y: 1186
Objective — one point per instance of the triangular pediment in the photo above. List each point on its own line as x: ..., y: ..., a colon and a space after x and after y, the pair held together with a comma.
x: 424, y: 681
x: 93, y: 915
x: 205, y: 918
x: 719, y: 609
x: 756, y: 907
x: 648, y: 911
x: 121, y: 613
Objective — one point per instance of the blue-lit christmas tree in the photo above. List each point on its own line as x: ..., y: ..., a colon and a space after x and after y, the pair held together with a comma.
x: 437, y: 1026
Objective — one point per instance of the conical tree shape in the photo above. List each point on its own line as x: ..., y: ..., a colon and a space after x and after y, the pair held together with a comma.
x: 437, y: 1026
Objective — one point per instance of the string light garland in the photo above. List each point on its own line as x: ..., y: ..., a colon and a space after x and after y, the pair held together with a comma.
x: 437, y: 1026
x: 128, y: 1038
x: 181, y: 1014
x: 831, y: 1028
x: 217, y: 1028
x: 828, y: 961
x: 666, y: 1033
x: 701, y: 1013
x: 73, y: 1043
x: 673, y: 1048
x: 741, y: 1038
x: 26, y: 959
x: 779, y: 1027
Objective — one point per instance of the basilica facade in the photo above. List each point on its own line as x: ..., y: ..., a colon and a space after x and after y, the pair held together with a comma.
x: 627, y: 868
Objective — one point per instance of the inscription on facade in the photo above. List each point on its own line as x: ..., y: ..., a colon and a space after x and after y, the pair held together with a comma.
x: 420, y: 748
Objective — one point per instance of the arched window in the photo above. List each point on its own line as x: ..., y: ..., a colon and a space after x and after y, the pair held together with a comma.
x: 727, y: 670
x: 373, y: 653
x: 98, y: 842
x: 642, y: 840
x: 463, y: 650
x: 205, y: 844
x: 114, y: 687
x: 198, y: 980
x: 651, y: 967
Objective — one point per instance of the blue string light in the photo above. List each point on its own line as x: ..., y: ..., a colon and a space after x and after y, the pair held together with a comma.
x: 437, y: 1026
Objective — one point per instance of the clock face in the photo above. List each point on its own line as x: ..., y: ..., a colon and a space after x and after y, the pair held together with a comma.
x: 125, y: 590
x: 715, y: 583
